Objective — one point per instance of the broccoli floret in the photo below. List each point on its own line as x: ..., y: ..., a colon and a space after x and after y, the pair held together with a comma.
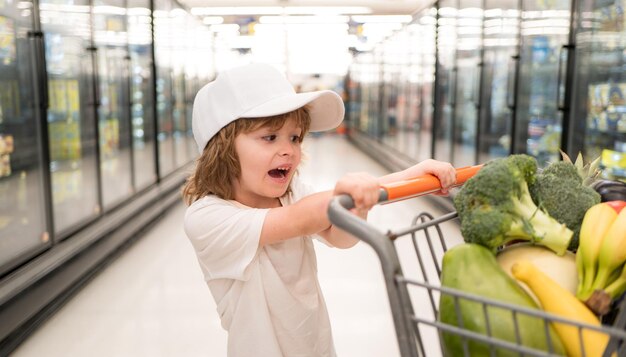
x: 559, y: 190
x: 495, y: 207
x: 562, y: 169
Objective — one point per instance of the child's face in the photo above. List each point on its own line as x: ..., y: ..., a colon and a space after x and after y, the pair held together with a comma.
x: 268, y: 160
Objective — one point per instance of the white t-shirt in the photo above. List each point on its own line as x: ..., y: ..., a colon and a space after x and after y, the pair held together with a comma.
x: 268, y: 298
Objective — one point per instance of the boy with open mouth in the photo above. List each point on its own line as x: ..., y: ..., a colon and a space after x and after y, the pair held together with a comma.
x: 251, y: 220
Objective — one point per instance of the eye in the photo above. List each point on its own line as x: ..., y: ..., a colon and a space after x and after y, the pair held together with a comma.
x: 269, y: 137
x: 295, y: 138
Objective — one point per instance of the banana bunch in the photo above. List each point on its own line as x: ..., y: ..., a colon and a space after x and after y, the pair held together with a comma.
x: 559, y: 301
x: 601, y: 254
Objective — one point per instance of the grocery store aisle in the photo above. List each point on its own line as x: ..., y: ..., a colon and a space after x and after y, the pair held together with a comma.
x: 152, y: 301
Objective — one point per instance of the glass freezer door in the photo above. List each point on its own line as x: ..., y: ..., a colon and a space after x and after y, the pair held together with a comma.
x: 598, y: 116
x: 411, y: 96
x: 392, y: 92
x: 500, y: 54
x: 427, y: 20
x: 468, y: 64
x: 543, y: 54
x: 446, y: 79
x: 141, y: 92
x: 111, y: 38
x: 22, y: 205
x: 372, y: 89
x: 181, y: 132
x: 163, y: 44
x: 71, y: 124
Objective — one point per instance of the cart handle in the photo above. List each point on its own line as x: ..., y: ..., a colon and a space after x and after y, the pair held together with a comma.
x: 418, y: 186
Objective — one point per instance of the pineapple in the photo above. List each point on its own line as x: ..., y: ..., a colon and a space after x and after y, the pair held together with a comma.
x: 589, y: 172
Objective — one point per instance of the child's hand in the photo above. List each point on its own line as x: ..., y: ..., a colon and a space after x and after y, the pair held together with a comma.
x: 362, y: 187
x: 444, y: 171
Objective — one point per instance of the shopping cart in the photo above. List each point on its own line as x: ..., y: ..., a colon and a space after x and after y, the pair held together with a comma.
x: 420, y: 334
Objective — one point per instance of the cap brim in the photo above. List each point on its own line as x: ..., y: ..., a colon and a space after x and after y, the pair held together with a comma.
x: 325, y: 108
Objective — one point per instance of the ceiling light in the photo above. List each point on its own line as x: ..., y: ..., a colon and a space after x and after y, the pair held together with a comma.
x: 280, y: 10
x: 213, y: 20
x: 24, y: 5
x: 225, y: 28
x: 109, y: 10
x: 327, y: 10
x: 65, y: 8
x: 303, y: 19
x: 239, y: 10
x: 382, y: 18
x: 138, y: 11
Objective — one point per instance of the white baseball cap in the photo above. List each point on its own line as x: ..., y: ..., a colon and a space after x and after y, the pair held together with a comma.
x: 256, y: 91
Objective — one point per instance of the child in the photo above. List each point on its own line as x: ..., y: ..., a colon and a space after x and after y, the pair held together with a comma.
x: 251, y: 220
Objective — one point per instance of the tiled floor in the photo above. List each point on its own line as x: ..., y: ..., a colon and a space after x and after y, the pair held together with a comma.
x: 152, y: 301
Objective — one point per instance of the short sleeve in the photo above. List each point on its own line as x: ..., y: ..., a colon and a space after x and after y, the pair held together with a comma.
x: 225, y: 236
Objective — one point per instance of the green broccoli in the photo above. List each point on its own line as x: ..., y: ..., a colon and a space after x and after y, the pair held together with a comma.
x: 559, y: 190
x: 495, y: 207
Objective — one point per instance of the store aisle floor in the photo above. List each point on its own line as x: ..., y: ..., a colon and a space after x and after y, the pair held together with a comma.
x: 152, y: 301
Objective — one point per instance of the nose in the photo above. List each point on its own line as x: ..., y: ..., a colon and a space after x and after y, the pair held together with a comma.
x: 286, y: 148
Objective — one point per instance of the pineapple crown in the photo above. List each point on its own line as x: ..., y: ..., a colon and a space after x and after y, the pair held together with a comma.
x: 588, y: 172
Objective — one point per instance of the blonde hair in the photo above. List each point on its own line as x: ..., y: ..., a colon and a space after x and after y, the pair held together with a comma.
x: 218, y: 165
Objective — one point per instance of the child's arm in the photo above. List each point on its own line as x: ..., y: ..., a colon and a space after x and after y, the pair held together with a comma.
x: 443, y: 170
x: 309, y: 215
x: 364, y: 190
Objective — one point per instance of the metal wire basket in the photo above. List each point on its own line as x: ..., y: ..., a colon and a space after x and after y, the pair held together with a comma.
x: 414, y: 297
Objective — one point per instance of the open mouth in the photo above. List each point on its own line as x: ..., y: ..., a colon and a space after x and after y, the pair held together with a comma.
x: 279, y: 172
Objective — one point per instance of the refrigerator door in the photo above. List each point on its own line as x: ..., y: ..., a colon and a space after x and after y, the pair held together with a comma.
x: 394, y: 62
x: 500, y: 55
x: 598, y: 115
x: 196, y: 54
x: 408, y: 106
x: 141, y: 93
x: 23, y: 228
x: 71, y: 111
x: 163, y: 48
x: 360, y: 83
x: 446, y: 79
x: 111, y: 41
x: 543, y: 57
x: 181, y: 129
x: 372, y: 88
x: 468, y: 64
x: 427, y: 21
x: 353, y: 87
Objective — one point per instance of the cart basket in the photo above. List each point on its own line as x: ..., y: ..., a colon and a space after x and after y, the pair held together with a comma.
x: 420, y: 334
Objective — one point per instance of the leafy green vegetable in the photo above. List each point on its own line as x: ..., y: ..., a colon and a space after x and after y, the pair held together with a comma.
x: 559, y: 190
x: 495, y: 207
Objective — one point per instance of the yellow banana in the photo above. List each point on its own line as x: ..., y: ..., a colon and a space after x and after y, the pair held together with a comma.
x: 558, y: 301
x: 612, y: 251
x: 596, y: 223
x: 618, y: 286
